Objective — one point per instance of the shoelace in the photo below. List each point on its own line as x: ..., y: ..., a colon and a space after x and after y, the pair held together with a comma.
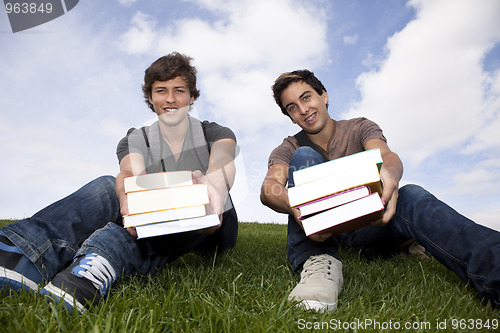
x: 318, y: 265
x: 98, y: 270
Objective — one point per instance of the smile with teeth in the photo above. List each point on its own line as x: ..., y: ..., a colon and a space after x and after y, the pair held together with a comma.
x: 310, y: 118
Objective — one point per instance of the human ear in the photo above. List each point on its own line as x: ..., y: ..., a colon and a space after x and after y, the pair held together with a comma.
x: 324, y: 95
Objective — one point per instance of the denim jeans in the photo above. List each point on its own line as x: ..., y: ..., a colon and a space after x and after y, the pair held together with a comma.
x: 470, y: 250
x: 89, y: 221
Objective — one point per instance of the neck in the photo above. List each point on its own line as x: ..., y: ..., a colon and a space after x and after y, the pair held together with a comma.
x: 323, y: 137
x: 174, y: 134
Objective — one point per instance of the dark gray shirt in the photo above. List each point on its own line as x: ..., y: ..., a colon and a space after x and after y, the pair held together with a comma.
x: 195, y: 150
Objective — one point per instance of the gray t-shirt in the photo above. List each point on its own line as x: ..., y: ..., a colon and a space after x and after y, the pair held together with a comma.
x: 195, y: 150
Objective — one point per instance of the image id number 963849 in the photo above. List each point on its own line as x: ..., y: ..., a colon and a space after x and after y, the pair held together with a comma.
x: 28, y: 7
x: 474, y: 324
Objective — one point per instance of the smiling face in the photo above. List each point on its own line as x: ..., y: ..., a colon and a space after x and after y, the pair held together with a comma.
x: 306, y: 107
x: 171, y: 100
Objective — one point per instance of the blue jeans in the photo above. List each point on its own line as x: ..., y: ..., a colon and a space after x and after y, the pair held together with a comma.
x: 89, y: 221
x: 470, y: 250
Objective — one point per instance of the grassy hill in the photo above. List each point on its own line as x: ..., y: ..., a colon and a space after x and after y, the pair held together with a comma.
x: 245, y: 290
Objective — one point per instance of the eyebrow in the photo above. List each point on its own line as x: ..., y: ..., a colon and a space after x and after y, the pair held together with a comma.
x: 176, y: 87
x: 300, y: 97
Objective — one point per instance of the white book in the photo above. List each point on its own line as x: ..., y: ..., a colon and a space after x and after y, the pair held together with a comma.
x: 172, y: 227
x: 163, y: 215
x: 346, y: 217
x: 366, y: 174
x: 342, y: 164
x: 167, y: 198
x: 157, y: 180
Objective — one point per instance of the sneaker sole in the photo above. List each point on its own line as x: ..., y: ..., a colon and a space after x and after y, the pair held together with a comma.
x: 15, y: 281
x: 318, y: 306
x: 57, y: 294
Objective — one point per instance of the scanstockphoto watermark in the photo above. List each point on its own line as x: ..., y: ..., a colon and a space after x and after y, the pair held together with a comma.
x: 362, y: 324
x: 25, y: 15
x: 373, y: 324
x: 275, y: 189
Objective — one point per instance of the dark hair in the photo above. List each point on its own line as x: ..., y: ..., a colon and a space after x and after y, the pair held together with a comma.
x: 167, y: 68
x: 285, y: 79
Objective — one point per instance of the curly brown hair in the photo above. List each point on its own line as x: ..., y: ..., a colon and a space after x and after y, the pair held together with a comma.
x: 167, y: 68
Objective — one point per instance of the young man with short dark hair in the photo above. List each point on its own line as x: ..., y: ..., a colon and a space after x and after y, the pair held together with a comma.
x: 470, y: 250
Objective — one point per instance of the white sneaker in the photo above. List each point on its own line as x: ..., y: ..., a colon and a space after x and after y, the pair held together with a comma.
x: 320, y: 283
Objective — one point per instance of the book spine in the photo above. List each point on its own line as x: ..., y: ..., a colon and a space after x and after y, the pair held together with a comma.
x: 336, y: 195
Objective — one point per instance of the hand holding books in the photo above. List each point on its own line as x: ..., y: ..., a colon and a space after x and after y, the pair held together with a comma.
x: 216, y: 204
x: 169, y: 202
x: 339, y: 195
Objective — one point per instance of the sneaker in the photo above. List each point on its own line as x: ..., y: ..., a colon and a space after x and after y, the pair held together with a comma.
x: 87, y: 279
x: 16, y: 270
x: 320, y: 283
x: 413, y: 248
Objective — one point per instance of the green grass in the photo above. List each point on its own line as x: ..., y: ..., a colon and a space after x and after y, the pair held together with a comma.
x: 245, y: 290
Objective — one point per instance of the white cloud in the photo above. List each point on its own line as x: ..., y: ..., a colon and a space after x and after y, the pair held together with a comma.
x: 139, y: 38
x: 489, y: 216
x: 240, y: 55
x: 487, y: 137
x: 350, y: 40
x: 126, y: 3
x: 428, y: 94
x: 439, y: 108
x: 67, y: 101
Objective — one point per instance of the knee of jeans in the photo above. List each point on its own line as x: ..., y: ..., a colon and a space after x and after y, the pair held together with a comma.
x: 410, y: 188
x: 304, y: 157
x: 104, y: 185
x: 307, y: 152
x: 106, y: 182
x: 413, y: 191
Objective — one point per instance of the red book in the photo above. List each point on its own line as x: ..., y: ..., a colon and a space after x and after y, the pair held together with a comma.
x: 333, y: 200
x: 347, y: 217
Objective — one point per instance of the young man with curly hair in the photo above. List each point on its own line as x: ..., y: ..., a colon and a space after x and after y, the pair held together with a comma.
x: 77, y: 247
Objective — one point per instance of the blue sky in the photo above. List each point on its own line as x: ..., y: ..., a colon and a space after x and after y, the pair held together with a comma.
x: 427, y: 71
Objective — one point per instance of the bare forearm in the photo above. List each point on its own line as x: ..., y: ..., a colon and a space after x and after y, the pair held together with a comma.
x: 393, y: 165
x: 222, y: 178
x: 120, y: 193
x: 275, y: 196
x: 221, y: 171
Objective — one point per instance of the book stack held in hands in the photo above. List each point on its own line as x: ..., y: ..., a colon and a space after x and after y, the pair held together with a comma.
x: 165, y: 203
x: 340, y: 195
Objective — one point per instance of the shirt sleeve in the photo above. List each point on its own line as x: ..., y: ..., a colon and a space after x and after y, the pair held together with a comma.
x: 368, y: 130
x: 215, y: 132
x: 133, y: 142
x: 284, y: 152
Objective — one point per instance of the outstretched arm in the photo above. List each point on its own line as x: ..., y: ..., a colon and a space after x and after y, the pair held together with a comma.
x: 390, y: 174
x: 274, y: 194
x: 219, y: 178
x: 130, y: 165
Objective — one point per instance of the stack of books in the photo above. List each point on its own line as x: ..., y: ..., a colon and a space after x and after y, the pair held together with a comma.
x: 165, y: 203
x: 340, y: 195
